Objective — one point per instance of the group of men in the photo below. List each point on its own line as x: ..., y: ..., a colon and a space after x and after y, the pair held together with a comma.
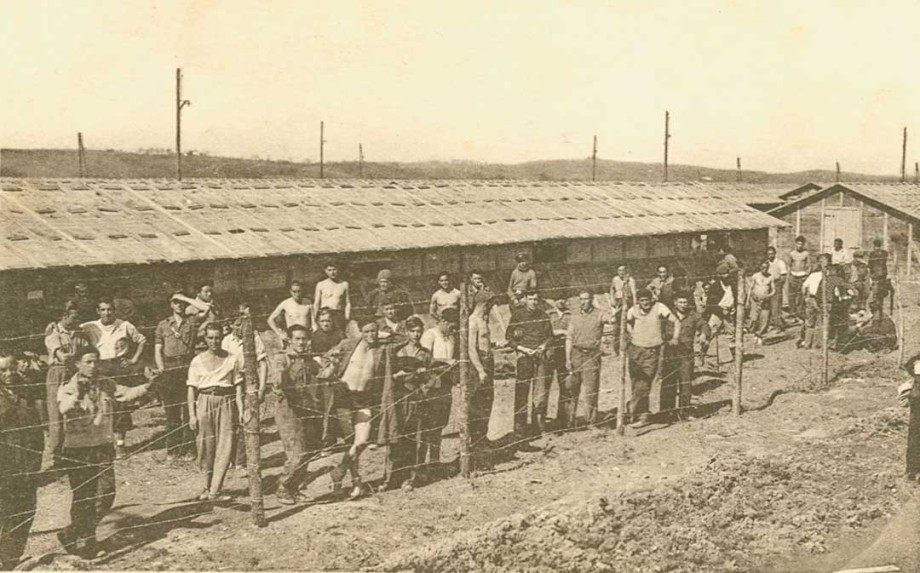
x: 389, y: 385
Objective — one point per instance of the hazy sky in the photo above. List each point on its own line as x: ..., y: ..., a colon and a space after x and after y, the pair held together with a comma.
x: 787, y: 85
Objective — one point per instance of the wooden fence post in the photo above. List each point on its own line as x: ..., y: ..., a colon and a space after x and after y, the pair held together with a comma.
x: 739, y: 342
x: 252, y: 421
x: 466, y: 468
x: 624, y: 361
x: 897, y: 294
x: 825, y: 328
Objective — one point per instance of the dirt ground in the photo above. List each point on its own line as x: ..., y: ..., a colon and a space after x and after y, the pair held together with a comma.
x: 800, y: 482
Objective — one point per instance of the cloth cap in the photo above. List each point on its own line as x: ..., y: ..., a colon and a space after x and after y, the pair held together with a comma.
x: 384, y: 274
x: 723, y: 269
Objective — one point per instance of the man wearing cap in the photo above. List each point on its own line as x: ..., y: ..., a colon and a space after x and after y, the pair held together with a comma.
x: 389, y: 325
x: 386, y: 291
x: 205, y: 309
x: 173, y: 350
x: 523, y: 279
x: 480, y: 349
x: 662, y: 286
x: 583, y: 360
x: 645, y: 325
x: 530, y: 334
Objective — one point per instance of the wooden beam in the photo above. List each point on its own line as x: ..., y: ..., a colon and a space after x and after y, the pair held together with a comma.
x: 821, y: 232
x: 910, y: 246
x: 885, y: 229
x: 798, y: 223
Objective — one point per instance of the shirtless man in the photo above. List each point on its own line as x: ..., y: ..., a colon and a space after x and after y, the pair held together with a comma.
x: 333, y: 294
x: 480, y: 350
x: 295, y: 309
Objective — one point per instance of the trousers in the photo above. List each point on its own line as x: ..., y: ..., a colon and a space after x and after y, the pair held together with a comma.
x: 643, y: 367
x: 91, y: 472
x: 531, y: 377
x: 300, y: 429
x: 584, y: 383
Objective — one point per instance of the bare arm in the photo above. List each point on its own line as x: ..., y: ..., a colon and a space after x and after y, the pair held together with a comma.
x: 347, y: 303
x: 158, y: 357
x: 273, y: 322
x: 192, y: 398
x: 433, y: 306
x: 473, y: 347
x: 676, y: 324
x: 139, y: 351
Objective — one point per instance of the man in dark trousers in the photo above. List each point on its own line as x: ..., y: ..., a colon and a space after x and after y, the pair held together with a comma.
x: 530, y: 333
x: 645, y: 325
x: 88, y: 457
x: 299, y: 409
x: 21, y: 444
x: 173, y: 350
x: 679, y: 359
x: 583, y: 360
x: 878, y: 277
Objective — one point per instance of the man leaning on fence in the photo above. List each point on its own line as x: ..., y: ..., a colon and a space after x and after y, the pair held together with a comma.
x: 173, y: 350
x: 645, y: 325
x: 583, y: 360
x: 530, y: 333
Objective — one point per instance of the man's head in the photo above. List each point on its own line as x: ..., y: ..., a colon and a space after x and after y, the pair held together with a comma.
x: 771, y: 254
x: 86, y: 360
x: 585, y: 300
x: 522, y: 262
x: 644, y: 298
x: 838, y: 244
x: 621, y: 271
x: 824, y: 261
x: 682, y: 302
x: 663, y: 272
x: 69, y: 318
x: 476, y: 279
x: 205, y: 291
x: 298, y: 335
x: 176, y: 304
x: 8, y: 371
x: 450, y: 318
x: 877, y: 243
x: 531, y: 298
x: 765, y: 266
x: 444, y: 281
x: 331, y: 270
x: 723, y: 271
x: 383, y: 279
x: 80, y: 289
x: 105, y: 308
x: 414, y: 328
x: 324, y: 320
x: 800, y: 243
x: 389, y: 311
x: 369, y: 332
x: 561, y: 304
x: 296, y: 291
x: 213, y: 334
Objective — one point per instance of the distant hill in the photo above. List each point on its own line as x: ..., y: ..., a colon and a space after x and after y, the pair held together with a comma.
x: 123, y: 164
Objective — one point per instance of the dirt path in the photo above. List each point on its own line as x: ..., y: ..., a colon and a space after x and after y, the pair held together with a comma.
x: 852, y: 425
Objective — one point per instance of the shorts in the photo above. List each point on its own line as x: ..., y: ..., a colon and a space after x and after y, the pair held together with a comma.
x: 345, y: 398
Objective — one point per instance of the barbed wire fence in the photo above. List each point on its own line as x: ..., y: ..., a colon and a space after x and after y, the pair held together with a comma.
x: 813, y: 378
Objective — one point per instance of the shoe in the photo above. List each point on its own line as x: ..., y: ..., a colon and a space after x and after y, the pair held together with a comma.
x: 91, y: 550
x: 285, y: 497
x: 407, y: 486
x: 68, y: 541
x: 219, y: 497
x: 357, y: 492
x: 643, y: 421
x: 337, y: 475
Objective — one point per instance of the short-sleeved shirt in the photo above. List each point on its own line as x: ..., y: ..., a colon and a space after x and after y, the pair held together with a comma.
x: 112, y: 340
x: 234, y: 346
x: 296, y: 312
x: 441, y: 300
x: 227, y: 374
x: 618, y: 290
x: 662, y: 289
x: 646, y: 326
x: 177, y: 337
x: 442, y: 347
x: 57, y: 338
x: 586, y: 328
x: 842, y: 257
x: 813, y: 283
x: 778, y: 268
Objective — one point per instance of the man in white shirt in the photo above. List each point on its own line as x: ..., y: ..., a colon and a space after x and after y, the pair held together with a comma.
x: 113, y: 338
x: 295, y: 309
x: 443, y: 344
x: 841, y: 256
x: 810, y: 292
x: 332, y: 293
x: 779, y: 271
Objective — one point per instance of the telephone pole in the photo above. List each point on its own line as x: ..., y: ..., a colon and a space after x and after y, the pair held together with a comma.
x: 361, y: 161
x: 81, y: 154
x: 904, y: 157
x: 594, y: 161
x: 738, y: 166
x: 917, y: 172
x: 667, y: 136
x: 838, y: 171
x: 180, y: 103
x: 322, y: 143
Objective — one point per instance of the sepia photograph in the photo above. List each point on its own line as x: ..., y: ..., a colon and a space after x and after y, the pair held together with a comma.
x: 612, y: 286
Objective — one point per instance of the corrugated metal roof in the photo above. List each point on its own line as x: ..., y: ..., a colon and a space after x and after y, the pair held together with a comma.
x: 901, y: 197
x: 754, y: 193
x: 62, y: 223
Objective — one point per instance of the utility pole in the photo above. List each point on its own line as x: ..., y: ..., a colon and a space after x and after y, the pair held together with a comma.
x: 594, y: 161
x: 838, y: 171
x: 180, y: 103
x: 916, y: 172
x: 904, y: 157
x: 251, y: 419
x: 322, y: 143
x: 738, y: 165
x: 360, y: 161
x: 667, y: 136
x: 81, y: 154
